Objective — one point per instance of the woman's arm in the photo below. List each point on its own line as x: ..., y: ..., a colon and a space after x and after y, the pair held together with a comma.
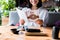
x: 42, y: 17
x: 22, y: 16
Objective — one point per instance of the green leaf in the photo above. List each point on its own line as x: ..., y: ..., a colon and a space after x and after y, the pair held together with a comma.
x: 6, y: 13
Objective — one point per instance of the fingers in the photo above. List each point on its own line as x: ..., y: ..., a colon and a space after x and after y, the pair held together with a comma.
x: 22, y: 21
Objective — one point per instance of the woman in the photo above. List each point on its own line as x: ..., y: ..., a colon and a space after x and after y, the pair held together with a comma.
x: 34, y: 13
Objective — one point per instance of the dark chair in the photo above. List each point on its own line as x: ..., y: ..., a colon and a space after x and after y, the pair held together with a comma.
x: 52, y: 18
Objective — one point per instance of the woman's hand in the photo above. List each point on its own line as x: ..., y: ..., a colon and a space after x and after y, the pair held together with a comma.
x: 38, y: 21
x: 22, y: 22
x: 33, y: 16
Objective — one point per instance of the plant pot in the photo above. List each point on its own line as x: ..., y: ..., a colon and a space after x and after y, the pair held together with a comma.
x: 5, y: 20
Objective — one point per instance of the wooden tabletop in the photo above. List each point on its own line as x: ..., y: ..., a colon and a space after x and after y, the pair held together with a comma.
x: 6, y: 34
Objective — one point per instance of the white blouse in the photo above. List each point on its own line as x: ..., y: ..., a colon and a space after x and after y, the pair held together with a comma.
x: 42, y: 13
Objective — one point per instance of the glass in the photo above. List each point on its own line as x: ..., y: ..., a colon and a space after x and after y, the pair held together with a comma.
x: 20, y: 28
x: 43, y: 28
x: 21, y: 33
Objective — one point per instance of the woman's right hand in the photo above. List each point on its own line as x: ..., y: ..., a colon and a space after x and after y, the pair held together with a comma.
x: 22, y: 21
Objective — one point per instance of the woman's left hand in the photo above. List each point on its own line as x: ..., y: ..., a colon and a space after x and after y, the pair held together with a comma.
x: 38, y: 21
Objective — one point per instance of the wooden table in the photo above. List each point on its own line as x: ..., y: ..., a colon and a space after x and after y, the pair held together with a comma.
x: 6, y: 34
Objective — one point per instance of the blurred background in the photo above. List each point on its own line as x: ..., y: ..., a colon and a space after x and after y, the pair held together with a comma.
x: 10, y: 5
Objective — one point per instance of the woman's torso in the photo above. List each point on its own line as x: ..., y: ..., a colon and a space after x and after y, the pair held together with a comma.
x: 39, y: 13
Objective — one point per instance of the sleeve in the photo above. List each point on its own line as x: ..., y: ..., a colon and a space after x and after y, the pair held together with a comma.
x: 19, y: 13
x: 43, y: 15
x: 23, y: 14
x: 45, y: 18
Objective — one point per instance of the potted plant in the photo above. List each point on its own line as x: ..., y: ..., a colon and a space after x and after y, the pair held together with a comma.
x: 7, y: 6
